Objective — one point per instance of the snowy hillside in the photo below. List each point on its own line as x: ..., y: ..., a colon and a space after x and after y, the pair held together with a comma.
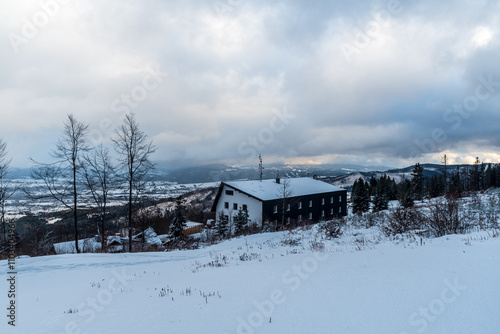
x: 280, y: 282
x: 348, y: 180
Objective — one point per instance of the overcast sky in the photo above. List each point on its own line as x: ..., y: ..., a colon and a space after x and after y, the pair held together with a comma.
x: 368, y: 82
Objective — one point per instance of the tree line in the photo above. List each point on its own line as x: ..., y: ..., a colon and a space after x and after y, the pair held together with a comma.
x: 378, y: 192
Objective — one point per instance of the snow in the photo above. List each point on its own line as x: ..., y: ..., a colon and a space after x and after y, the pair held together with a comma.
x: 87, y: 245
x: 192, y: 224
x: 150, y: 236
x: 283, y: 282
x: 266, y: 190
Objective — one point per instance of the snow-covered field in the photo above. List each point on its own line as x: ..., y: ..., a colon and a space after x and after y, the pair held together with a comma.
x: 19, y: 205
x: 278, y: 282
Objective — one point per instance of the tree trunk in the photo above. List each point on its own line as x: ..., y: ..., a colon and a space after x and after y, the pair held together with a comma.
x: 75, y: 213
x: 130, y: 217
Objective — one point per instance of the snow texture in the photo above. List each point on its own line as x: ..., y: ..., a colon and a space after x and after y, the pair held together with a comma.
x: 266, y: 190
x: 283, y: 282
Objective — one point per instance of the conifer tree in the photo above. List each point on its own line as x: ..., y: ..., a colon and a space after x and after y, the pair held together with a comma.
x: 222, y: 227
x: 179, y: 220
x: 240, y: 221
x: 418, y: 182
x: 456, y: 183
x: 360, y: 199
x: 381, y: 197
x: 489, y: 177
x: 405, y: 194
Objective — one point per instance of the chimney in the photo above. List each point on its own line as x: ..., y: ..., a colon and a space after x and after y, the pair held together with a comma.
x: 278, y: 177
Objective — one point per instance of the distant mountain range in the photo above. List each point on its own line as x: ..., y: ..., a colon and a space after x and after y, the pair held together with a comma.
x: 216, y: 173
x: 342, y: 175
x: 220, y: 172
x: 346, y: 181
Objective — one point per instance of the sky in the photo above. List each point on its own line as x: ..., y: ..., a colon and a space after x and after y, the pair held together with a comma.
x: 368, y: 82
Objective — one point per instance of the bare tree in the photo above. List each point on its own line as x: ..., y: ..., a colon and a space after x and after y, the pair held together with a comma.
x: 7, y: 189
x: 60, y: 178
x: 99, y: 177
x: 285, y: 195
x: 135, y: 150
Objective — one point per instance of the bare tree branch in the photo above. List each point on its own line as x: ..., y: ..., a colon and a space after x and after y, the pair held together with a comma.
x: 99, y: 177
x: 134, y: 151
x: 7, y: 190
x: 61, y: 178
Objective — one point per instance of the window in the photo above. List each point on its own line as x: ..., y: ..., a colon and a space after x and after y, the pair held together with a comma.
x: 230, y: 192
x: 226, y: 205
x: 322, y: 201
x: 310, y: 203
x: 235, y: 206
x: 288, y: 207
x: 299, y: 218
x: 340, y: 210
x: 300, y: 205
x: 310, y: 215
x: 340, y: 199
x: 331, y: 200
x: 322, y: 213
x: 275, y: 209
x: 331, y: 212
x: 288, y: 221
x: 245, y: 208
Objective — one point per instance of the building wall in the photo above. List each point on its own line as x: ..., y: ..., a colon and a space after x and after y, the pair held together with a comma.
x: 254, y: 206
x: 318, y: 211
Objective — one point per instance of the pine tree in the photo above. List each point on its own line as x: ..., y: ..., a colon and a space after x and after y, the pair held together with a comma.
x: 474, y: 176
x: 456, y: 183
x: 373, y: 186
x: 393, y: 188
x: 481, y: 178
x: 222, y: 227
x: 497, y: 175
x: 418, y: 182
x: 489, y: 177
x: 360, y: 199
x: 381, y: 197
x: 179, y: 220
x: 436, y: 186
x: 405, y: 194
x: 240, y: 221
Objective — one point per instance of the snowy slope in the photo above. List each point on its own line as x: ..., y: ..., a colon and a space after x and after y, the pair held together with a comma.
x: 268, y: 283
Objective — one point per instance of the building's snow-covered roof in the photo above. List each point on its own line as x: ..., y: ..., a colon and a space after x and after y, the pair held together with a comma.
x: 266, y: 190
x: 84, y: 245
x: 190, y: 223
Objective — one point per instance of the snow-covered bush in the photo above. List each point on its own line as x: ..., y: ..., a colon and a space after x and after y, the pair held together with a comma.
x: 402, y: 221
x: 332, y: 229
x: 292, y: 239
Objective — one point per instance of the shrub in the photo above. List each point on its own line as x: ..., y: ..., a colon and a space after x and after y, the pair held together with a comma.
x: 402, y: 221
x: 444, y: 217
x: 332, y: 228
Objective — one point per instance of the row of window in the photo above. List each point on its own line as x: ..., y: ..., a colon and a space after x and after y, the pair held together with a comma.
x: 235, y: 206
x: 275, y: 210
x: 288, y: 206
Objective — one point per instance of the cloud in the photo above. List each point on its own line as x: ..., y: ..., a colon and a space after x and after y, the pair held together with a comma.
x: 228, y: 68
